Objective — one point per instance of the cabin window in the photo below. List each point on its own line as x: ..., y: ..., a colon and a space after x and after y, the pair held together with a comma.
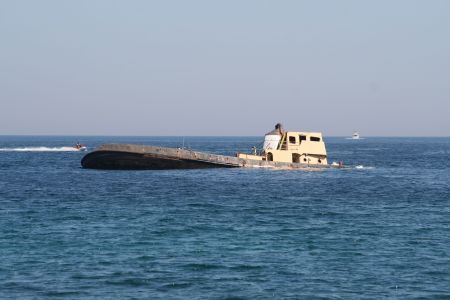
x: 314, y: 139
x: 292, y: 140
x: 302, y: 138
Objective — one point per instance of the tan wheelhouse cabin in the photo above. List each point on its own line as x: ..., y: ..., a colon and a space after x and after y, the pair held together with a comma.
x: 291, y: 147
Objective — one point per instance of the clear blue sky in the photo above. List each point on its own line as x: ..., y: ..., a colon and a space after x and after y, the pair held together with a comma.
x: 381, y: 67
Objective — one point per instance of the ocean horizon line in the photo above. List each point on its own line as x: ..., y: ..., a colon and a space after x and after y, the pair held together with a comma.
x: 206, y: 136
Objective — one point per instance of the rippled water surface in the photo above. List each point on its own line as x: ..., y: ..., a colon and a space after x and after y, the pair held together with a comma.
x: 379, y: 229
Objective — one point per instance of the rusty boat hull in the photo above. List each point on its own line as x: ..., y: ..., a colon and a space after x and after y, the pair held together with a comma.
x: 137, y: 157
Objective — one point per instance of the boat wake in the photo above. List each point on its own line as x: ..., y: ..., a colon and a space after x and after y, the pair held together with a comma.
x: 40, y: 149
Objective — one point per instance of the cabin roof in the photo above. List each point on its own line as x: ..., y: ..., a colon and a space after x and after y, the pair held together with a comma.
x: 303, y: 133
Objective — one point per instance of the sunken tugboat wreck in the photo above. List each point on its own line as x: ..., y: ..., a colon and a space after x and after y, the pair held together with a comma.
x: 281, y: 149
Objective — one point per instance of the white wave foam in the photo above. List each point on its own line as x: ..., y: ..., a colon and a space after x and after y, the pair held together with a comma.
x: 266, y: 167
x: 361, y: 167
x: 40, y: 149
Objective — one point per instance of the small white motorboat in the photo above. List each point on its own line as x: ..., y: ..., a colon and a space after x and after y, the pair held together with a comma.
x: 80, y: 147
x: 355, y: 136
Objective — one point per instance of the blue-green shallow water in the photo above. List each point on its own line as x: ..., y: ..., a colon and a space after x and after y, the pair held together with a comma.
x: 377, y: 231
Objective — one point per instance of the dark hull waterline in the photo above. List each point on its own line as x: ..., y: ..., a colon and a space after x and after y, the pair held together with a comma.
x: 115, y: 160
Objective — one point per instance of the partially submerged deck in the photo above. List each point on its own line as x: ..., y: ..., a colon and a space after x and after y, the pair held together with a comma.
x: 137, y: 157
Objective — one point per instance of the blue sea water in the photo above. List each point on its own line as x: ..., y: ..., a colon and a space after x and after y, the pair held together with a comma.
x: 379, y: 229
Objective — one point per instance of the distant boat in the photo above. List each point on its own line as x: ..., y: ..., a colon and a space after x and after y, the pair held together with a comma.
x: 355, y: 136
x: 80, y: 147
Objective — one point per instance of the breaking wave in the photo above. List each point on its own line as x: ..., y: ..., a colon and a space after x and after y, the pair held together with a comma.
x: 40, y: 149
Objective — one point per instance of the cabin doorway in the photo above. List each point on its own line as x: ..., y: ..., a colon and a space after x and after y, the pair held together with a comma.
x: 270, y: 156
x: 295, y: 157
